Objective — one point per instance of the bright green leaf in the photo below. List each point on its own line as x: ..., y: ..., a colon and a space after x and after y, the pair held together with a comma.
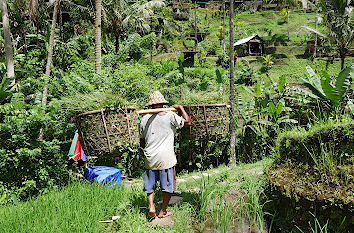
x: 281, y: 83
x: 257, y: 90
x: 343, y: 80
x: 330, y: 91
x: 279, y: 108
x: 272, y: 109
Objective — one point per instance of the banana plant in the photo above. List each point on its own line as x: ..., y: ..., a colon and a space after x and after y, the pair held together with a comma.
x: 328, y: 90
x: 275, y: 114
x: 220, y: 77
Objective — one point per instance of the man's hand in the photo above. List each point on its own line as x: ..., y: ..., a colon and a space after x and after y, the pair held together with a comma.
x: 184, y: 114
x: 176, y: 106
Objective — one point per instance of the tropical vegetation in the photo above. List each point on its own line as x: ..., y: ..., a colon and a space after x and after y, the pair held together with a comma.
x: 291, y: 133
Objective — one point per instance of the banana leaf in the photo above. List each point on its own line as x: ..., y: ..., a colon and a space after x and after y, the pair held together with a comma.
x: 330, y: 91
x: 314, y: 84
x: 343, y: 80
x: 281, y: 83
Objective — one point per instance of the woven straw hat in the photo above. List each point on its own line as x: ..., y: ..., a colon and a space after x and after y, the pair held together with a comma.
x: 156, y: 98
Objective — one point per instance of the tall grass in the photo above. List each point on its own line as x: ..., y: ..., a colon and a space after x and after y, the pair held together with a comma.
x: 79, y: 206
x: 318, y: 228
x: 215, y: 206
x: 328, y: 164
x: 251, y: 204
x: 223, y: 214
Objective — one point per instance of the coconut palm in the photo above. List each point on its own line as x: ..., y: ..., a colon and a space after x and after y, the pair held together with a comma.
x: 232, y: 86
x: 120, y: 17
x: 98, y: 36
x: 50, y: 52
x: 49, y: 60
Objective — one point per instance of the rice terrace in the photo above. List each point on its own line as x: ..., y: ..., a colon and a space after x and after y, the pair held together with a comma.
x: 176, y: 116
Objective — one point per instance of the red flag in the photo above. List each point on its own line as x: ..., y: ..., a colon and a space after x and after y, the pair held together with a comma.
x: 77, y: 150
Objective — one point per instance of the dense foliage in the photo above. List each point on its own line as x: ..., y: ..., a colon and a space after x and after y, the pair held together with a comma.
x: 27, y: 165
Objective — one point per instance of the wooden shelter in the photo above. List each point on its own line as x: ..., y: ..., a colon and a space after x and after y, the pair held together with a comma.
x: 250, y: 46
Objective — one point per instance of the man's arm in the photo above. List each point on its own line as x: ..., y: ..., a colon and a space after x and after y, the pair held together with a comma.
x: 184, y: 113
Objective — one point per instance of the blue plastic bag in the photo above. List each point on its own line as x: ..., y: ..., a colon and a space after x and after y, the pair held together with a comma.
x: 103, y: 175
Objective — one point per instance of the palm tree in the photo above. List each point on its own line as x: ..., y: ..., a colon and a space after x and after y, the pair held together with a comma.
x: 8, y: 43
x: 120, y: 17
x: 98, y: 36
x: 50, y: 52
x: 232, y: 86
x: 339, y: 25
x: 49, y: 60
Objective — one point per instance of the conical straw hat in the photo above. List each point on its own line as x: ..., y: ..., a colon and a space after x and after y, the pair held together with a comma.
x: 156, y: 98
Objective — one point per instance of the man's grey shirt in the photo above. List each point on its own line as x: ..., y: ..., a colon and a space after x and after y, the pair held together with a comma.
x: 159, y: 131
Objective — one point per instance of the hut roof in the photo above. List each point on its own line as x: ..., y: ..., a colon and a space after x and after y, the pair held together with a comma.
x: 247, y: 39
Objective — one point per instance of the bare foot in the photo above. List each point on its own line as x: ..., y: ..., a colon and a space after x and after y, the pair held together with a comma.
x: 151, y: 215
x: 164, y: 214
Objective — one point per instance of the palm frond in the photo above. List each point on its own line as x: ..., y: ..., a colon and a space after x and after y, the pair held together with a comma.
x: 314, y: 31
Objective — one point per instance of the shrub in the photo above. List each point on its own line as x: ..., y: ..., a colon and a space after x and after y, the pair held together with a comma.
x: 208, y: 46
x: 136, y: 46
x: 223, y: 60
x: 201, y: 153
x: 133, y: 82
x: 251, y: 147
x: 27, y: 166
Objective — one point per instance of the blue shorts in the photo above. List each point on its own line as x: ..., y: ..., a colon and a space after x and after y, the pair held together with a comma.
x: 165, y: 177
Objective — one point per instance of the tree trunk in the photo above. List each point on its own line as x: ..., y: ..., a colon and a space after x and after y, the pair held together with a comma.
x: 98, y: 36
x: 223, y: 27
x: 50, y: 54
x: 49, y: 61
x: 195, y: 26
x: 287, y: 19
x: 117, y: 44
x: 8, y: 43
x: 232, y: 87
x: 316, y: 28
x: 342, y: 57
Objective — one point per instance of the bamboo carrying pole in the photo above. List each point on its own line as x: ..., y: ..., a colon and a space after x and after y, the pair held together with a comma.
x: 156, y: 110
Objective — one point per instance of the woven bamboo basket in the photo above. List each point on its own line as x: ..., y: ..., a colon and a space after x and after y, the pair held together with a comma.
x: 106, y: 130
x: 103, y: 131
x: 207, y: 120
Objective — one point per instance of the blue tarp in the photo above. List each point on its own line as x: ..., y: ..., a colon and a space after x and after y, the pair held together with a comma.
x: 103, y: 175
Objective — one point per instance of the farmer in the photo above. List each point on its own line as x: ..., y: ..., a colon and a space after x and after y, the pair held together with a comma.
x: 157, y: 132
